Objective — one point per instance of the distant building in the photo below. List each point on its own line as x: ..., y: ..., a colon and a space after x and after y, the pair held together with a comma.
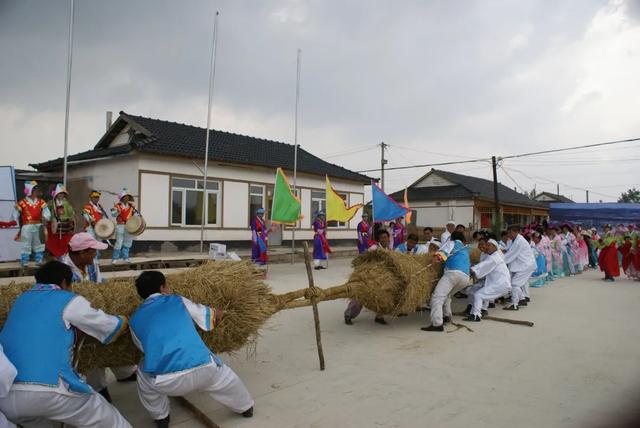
x: 547, y: 198
x: 442, y: 196
x: 161, y: 163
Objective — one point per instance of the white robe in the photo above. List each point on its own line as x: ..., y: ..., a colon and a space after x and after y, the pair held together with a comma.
x: 495, y: 273
x: 519, y: 257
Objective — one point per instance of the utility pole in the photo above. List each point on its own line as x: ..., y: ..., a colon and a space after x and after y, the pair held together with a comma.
x: 497, y: 221
x: 383, y: 162
x: 558, y: 189
x: 587, y: 195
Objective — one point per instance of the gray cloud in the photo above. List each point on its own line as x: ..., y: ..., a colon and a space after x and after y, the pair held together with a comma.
x: 470, y: 78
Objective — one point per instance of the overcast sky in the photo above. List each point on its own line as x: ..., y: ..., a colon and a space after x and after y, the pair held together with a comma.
x: 436, y: 80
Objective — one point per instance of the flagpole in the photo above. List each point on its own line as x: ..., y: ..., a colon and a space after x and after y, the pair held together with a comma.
x: 66, y: 114
x: 212, y: 73
x: 295, y: 155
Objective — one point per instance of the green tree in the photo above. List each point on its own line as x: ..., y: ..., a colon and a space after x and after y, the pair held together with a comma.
x: 631, y: 195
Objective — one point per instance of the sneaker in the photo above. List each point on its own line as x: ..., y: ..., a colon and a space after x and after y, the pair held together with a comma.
x: 523, y: 302
x: 511, y: 308
x: 127, y: 260
x: 433, y: 328
x: 114, y: 262
x: 248, y: 413
x: 347, y: 320
x: 492, y: 305
x: 474, y: 318
x: 467, y: 310
x: 527, y: 299
x: 460, y: 295
x: 380, y: 320
x: 163, y: 423
x: 484, y: 312
x: 105, y: 393
x: 446, y: 320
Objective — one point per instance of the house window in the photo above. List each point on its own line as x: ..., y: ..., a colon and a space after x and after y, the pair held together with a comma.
x: 319, y: 203
x: 256, y: 199
x: 187, y: 196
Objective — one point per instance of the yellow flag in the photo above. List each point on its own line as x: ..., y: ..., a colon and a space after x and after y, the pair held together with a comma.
x: 407, y: 217
x: 336, y: 207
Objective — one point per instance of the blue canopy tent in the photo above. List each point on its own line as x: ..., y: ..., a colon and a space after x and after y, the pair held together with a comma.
x: 595, y: 215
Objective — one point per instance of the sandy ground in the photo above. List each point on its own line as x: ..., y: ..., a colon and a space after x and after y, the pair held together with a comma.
x: 577, y: 367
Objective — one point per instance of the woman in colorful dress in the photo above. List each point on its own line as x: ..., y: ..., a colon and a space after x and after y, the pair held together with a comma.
x: 321, y: 247
x: 63, y: 213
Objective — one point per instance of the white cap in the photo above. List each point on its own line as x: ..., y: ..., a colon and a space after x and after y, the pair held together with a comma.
x: 493, y: 242
x: 451, y: 223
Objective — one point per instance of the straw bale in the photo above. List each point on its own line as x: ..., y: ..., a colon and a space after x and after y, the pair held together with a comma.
x: 389, y: 282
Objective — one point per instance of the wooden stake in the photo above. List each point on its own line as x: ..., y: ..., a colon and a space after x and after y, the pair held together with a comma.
x: 314, y: 304
x: 197, y: 413
x: 508, y: 321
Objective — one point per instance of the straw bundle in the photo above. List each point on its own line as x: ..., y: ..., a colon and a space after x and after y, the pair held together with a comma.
x: 389, y: 282
x: 235, y: 287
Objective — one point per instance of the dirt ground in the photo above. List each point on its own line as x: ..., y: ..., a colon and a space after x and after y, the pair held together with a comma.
x: 577, y: 367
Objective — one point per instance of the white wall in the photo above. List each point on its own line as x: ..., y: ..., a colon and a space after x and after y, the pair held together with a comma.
x: 430, y: 214
x: 235, y: 196
x: 433, y: 180
x: 154, y: 205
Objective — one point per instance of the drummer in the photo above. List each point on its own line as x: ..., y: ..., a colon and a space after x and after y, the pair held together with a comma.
x: 123, y: 210
x: 62, y: 222
x: 93, y: 212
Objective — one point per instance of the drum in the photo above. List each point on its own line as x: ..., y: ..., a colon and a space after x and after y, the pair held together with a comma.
x: 135, y: 225
x: 104, y: 228
x: 58, y: 226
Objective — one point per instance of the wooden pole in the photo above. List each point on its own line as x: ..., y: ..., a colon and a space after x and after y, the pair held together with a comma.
x: 314, y: 304
x: 508, y: 321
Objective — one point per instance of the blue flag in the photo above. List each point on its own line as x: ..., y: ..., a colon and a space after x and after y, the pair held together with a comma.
x: 385, y: 208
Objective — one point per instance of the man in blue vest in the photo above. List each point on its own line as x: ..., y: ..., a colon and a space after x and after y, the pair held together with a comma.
x: 176, y: 360
x: 38, y: 337
x: 455, y: 255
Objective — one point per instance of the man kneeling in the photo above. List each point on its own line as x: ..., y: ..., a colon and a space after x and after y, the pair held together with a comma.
x: 497, y: 280
x: 176, y: 360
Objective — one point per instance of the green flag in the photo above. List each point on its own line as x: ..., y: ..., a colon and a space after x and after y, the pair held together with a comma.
x: 286, y: 205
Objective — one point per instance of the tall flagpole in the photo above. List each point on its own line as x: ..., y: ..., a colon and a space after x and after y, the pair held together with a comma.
x: 212, y: 73
x: 295, y: 155
x: 66, y: 114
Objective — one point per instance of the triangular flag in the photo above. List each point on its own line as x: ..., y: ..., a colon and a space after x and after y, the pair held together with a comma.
x: 385, y: 208
x: 336, y: 207
x: 286, y: 205
x: 406, y: 205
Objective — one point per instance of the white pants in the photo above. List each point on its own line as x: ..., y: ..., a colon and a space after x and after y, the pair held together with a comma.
x: 482, y: 297
x: 222, y: 384
x: 451, y: 281
x: 4, y: 423
x: 123, y: 238
x: 320, y: 262
x: 470, y: 291
x: 97, y: 378
x: 36, y: 409
x: 520, y: 285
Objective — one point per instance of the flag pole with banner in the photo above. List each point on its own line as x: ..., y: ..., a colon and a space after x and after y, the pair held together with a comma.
x: 337, y: 209
x: 286, y: 205
x: 295, y: 153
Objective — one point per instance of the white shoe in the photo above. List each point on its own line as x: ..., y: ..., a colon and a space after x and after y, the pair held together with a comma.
x: 114, y: 262
x: 127, y: 260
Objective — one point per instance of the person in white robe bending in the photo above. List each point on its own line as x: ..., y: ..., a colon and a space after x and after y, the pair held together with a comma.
x: 497, y: 280
x: 521, y: 264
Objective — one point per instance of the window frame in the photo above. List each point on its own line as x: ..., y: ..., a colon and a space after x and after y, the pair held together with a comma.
x: 198, y: 188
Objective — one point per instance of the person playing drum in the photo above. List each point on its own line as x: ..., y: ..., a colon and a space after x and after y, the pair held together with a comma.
x: 93, y: 212
x: 62, y: 223
x: 29, y: 213
x: 123, y: 210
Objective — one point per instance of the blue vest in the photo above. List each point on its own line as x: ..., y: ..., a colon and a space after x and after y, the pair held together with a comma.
x: 36, y: 340
x: 169, y: 338
x: 458, y: 259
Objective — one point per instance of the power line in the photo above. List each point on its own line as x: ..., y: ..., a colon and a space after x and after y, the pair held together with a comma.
x: 426, y: 165
x: 348, y: 152
x: 630, y: 140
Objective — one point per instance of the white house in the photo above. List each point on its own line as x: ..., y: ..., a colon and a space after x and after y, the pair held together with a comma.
x: 161, y: 163
x: 442, y: 196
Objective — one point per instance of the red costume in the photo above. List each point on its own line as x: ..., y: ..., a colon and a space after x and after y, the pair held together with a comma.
x: 93, y: 213
x: 608, y: 260
x: 123, y: 213
x: 31, y: 213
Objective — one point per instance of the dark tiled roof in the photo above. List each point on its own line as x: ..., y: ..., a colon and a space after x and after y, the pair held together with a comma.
x: 465, y: 186
x: 177, y: 139
x: 554, y: 198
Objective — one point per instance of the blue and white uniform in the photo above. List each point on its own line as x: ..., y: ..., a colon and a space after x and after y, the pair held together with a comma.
x: 418, y: 249
x: 176, y: 360
x: 39, y: 337
x: 455, y: 277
